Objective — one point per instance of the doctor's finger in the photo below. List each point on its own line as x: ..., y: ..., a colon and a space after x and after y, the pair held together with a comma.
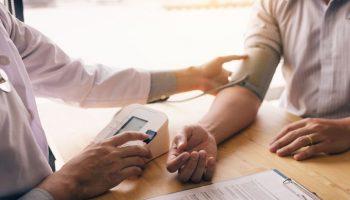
x: 126, y: 137
x: 130, y: 172
x: 200, y: 169
x: 174, y: 163
x: 208, y: 175
x: 228, y: 58
x: 134, y: 150
x: 133, y: 161
x: 187, y: 170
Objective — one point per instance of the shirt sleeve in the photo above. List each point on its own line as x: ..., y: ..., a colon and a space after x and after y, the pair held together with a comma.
x: 163, y: 84
x: 37, y: 194
x: 263, y: 44
x: 54, y: 74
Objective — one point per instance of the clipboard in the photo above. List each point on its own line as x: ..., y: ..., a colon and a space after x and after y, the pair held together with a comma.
x: 266, y: 185
x: 290, y: 182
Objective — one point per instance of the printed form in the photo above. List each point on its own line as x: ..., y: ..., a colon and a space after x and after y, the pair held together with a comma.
x: 268, y: 185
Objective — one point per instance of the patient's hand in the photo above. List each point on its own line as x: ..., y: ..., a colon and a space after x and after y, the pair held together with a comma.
x: 193, y: 154
x: 318, y: 135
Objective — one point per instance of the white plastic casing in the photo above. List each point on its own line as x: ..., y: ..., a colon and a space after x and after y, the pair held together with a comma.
x: 156, y: 121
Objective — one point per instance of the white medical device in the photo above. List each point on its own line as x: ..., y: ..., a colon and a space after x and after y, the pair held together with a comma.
x: 140, y: 118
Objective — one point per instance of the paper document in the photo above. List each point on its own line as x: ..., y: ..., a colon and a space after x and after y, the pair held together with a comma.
x: 268, y: 185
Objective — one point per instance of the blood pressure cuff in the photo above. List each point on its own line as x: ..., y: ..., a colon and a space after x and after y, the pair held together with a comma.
x: 259, y: 68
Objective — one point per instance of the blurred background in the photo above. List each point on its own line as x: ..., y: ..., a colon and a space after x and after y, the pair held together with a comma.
x: 149, y: 34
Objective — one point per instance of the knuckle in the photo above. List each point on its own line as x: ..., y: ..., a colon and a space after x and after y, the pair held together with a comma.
x: 294, y: 133
x: 302, y: 139
x: 128, y: 134
x: 140, y: 150
x: 101, y: 150
x: 287, y: 129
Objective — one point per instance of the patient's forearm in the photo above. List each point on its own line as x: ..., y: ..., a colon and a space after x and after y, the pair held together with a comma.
x: 233, y: 109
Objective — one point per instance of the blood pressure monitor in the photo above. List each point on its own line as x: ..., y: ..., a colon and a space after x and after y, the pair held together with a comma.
x: 140, y: 118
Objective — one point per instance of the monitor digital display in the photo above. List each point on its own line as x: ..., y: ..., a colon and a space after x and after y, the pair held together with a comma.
x: 133, y: 124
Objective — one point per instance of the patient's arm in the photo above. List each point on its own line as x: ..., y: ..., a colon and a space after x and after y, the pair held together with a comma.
x: 193, y: 151
x: 233, y: 109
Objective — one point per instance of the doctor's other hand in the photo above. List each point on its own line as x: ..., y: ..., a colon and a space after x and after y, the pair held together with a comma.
x: 100, y: 167
x: 319, y: 136
x: 193, y: 154
x: 214, y: 74
x: 205, y: 77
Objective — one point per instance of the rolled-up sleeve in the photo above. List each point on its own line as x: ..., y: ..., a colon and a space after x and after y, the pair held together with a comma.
x: 263, y: 28
x: 54, y: 74
x: 263, y: 44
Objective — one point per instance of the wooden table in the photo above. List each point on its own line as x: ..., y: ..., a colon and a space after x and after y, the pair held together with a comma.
x: 241, y: 155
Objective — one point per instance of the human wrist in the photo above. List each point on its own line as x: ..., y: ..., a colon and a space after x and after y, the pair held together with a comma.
x: 210, y: 130
x: 344, y: 124
x: 60, y: 187
x: 190, y: 78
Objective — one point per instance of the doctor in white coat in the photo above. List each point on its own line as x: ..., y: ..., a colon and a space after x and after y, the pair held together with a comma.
x: 32, y: 65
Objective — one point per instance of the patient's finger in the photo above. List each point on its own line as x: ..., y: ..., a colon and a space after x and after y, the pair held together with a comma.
x: 290, y: 137
x: 310, y: 151
x: 180, y: 140
x: 208, y: 175
x: 174, y: 163
x: 289, y: 128
x: 186, y: 171
x: 302, y: 141
x: 200, y: 169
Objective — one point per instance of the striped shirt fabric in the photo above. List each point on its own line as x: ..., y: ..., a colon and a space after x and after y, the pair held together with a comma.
x: 314, y: 40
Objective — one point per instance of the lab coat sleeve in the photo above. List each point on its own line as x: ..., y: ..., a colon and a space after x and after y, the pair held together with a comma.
x: 54, y: 74
x: 37, y: 194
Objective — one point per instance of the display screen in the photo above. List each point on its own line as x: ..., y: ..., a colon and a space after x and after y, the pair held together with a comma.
x: 133, y: 124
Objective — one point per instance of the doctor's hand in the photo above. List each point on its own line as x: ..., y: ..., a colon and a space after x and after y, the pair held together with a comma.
x: 213, y: 74
x: 193, y: 154
x: 319, y: 136
x: 100, y: 167
x: 205, y: 77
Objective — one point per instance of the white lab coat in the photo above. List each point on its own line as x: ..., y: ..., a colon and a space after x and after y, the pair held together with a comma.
x: 38, y: 67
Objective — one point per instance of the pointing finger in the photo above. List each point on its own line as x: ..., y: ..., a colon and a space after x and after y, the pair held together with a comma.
x: 229, y: 58
x: 134, y: 150
x: 122, y: 138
